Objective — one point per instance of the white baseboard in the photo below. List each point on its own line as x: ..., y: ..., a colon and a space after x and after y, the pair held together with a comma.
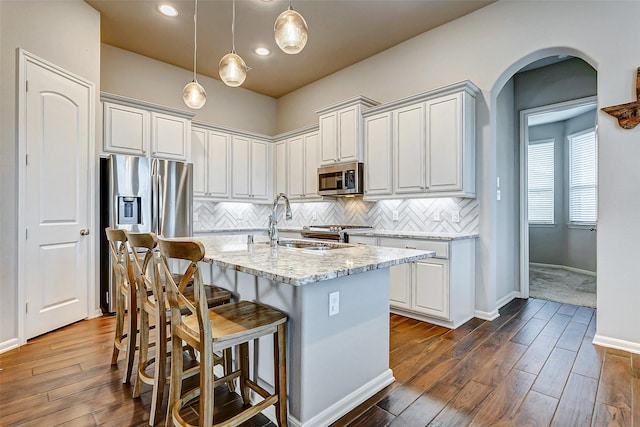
x: 341, y: 407
x: 564, y: 267
x: 507, y: 299
x: 487, y: 315
x: 8, y: 345
x: 631, y: 347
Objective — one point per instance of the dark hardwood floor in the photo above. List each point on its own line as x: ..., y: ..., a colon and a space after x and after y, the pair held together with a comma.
x: 533, y: 366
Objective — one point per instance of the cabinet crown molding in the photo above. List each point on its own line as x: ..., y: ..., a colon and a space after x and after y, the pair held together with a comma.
x: 233, y: 131
x: 296, y: 132
x: 360, y: 99
x: 466, y: 86
x: 150, y: 106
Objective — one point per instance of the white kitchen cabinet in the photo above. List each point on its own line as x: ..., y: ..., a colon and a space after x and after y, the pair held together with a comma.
x: 378, y: 162
x: 251, y: 172
x: 126, y: 129
x: 303, y: 166
x: 211, y: 154
x: 433, y: 140
x: 362, y: 240
x: 341, y: 131
x: 440, y: 290
x: 140, y: 128
x: 170, y: 136
x: 280, y: 167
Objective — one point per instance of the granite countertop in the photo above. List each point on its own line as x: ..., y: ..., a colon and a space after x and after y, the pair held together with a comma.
x: 298, y: 266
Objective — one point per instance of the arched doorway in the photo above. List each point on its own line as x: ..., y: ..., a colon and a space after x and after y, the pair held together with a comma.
x: 549, y: 77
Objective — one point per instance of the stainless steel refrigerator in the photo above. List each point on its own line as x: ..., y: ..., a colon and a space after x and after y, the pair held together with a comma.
x: 139, y: 194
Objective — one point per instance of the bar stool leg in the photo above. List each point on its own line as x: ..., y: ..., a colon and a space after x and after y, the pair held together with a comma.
x: 131, y: 340
x: 243, y: 360
x: 119, y: 326
x: 143, y: 352
x: 280, y: 362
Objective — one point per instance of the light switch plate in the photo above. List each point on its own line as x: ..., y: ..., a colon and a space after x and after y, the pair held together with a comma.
x: 196, y: 216
x: 455, y: 216
x: 436, y: 216
x: 395, y: 215
x: 334, y: 303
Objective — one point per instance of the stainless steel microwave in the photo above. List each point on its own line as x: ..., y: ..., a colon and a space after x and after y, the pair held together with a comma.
x: 342, y: 179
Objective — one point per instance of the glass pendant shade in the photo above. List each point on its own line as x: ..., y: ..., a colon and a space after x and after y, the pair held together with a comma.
x: 194, y: 95
x: 291, y: 32
x: 232, y: 70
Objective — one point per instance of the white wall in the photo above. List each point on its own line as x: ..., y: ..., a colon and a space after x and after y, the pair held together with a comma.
x: 135, y: 76
x: 66, y: 33
x: 488, y: 47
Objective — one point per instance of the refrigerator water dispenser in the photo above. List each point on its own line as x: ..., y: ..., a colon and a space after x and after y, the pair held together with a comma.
x: 129, y: 208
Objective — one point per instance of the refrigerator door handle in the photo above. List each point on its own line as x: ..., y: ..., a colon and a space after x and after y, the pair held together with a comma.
x: 155, y: 197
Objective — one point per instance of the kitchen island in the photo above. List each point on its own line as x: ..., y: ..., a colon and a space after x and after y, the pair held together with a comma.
x: 334, y: 362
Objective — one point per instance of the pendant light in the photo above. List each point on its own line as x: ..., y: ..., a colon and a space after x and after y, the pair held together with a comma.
x: 291, y: 31
x: 193, y: 94
x: 232, y: 68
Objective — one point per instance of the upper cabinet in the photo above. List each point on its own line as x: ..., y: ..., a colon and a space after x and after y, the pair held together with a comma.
x: 251, y: 169
x: 432, y: 136
x: 296, y: 163
x: 140, y: 128
x: 341, y: 130
x: 211, y: 155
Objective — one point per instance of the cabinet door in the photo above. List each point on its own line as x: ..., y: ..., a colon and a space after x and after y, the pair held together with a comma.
x: 280, y: 168
x: 260, y: 171
x: 296, y: 167
x: 444, y: 143
x: 126, y: 129
x: 349, y: 134
x: 400, y: 286
x: 218, y: 154
x: 408, y: 132
x: 431, y: 288
x: 311, y: 165
x: 379, y: 154
x: 241, y: 166
x: 199, y: 157
x: 328, y: 139
x: 169, y: 136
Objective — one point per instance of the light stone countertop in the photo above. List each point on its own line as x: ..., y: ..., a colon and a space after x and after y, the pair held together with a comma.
x: 402, y: 234
x: 298, y: 266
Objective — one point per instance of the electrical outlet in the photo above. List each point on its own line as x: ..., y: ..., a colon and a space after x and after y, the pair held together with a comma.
x: 455, y: 216
x: 240, y: 215
x: 395, y: 215
x: 498, y: 195
x: 334, y: 303
x: 314, y: 216
x: 436, y: 216
x: 196, y: 216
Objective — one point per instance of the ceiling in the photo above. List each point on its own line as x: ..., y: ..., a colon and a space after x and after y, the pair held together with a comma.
x: 341, y: 33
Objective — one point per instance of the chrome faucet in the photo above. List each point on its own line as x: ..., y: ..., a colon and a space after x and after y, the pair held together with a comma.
x: 273, y: 228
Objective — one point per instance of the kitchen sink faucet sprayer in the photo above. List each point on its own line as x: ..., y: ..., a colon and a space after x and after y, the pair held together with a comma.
x: 273, y: 222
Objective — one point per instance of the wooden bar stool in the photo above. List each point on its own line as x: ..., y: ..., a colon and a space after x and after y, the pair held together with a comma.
x: 153, y: 304
x: 209, y: 330
x: 126, y: 302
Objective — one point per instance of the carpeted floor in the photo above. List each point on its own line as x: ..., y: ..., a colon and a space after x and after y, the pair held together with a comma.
x: 567, y: 287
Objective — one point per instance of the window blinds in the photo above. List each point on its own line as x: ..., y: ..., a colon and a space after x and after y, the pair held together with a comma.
x: 540, y: 181
x: 583, y: 178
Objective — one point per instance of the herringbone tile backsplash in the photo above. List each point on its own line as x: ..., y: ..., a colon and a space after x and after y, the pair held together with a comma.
x: 413, y: 214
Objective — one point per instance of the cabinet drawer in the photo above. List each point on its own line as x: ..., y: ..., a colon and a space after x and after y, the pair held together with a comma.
x: 441, y: 248
x: 363, y: 240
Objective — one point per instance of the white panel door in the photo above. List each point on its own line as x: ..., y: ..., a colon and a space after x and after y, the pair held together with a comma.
x: 408, y: 130
x: 379, y: 154
x: 431, y: 288
x: 58, y: 134
x: 348, y: 134
x: 260, y: 172
x: 444, y: 143
x: 311, y: 164
x: 296, y: 167
x: 199, y: 159
x: 328, y: 139
x: 241, y: 165
x: 169, y: 136
x: 218, y: 153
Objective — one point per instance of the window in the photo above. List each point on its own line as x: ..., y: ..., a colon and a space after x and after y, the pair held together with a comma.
x: 540, y: 181
x: 583, y: 177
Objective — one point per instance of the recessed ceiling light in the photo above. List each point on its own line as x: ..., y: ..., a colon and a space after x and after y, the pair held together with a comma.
x: 262, y: 51
x: 167, y: 10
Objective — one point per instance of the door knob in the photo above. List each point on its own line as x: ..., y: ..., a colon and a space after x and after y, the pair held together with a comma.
x: 84, y: 232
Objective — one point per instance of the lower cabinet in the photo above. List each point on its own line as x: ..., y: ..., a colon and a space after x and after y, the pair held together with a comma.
x: 439, y: 290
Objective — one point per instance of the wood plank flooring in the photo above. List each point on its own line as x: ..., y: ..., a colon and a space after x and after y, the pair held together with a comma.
x: 533, y: 366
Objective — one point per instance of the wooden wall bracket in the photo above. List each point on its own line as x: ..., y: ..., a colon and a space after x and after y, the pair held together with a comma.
x: 628, y: 115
